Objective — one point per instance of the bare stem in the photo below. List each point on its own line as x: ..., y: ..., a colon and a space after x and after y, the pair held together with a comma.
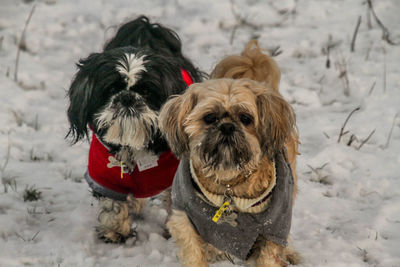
x: 341, y: 64
x: 369, y: 50
x: 353, y: 41
x: 352, y: 139
x: 366, y: 140
x: 21, y: 40
x: 344, y: 125
x: 385, y: 31
x: 372, y: 88
x: 7, y: 158
x: 384, y: 69
x: 391, y: 131
x: 369, y: 25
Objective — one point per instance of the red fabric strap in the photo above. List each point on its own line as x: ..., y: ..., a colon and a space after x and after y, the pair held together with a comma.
x: 186, y: 77
x: 104, y: 169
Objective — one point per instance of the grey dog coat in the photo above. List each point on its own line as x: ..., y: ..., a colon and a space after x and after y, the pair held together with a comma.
x: 273, y: 223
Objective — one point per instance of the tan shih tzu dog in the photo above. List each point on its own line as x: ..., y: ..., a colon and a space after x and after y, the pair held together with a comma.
x: 254, y: 64
x: 233, y: 191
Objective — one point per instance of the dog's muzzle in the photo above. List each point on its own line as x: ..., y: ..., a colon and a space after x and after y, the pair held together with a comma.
x: 128, y: 121
x: 225, y: 147
x: 129, y: 101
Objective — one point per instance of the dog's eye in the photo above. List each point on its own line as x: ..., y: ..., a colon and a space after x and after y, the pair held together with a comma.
x: 246, y: 119
x: 210, y: 118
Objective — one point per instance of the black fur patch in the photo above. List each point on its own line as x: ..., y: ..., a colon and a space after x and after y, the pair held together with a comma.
x: 98, y: 81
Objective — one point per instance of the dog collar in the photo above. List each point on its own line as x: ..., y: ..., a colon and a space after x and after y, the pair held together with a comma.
x: 237, y: 232
x: 186, y: 77
x: 250, y: 205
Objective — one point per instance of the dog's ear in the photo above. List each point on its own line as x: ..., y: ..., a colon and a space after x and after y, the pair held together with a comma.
x: 172, y: 118
x: 276, y: 121
x: 79, y: 94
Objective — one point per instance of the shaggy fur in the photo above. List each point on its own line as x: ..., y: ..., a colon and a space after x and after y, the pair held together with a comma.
x: 254, y: 64
x: 118, y: 93
x: 260, y: 120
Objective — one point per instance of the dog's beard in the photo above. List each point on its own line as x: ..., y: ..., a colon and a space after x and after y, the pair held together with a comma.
x: 128, y: 126
x: 218, y: 152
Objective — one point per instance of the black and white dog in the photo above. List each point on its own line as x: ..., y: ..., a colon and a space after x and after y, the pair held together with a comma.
x: 116, y: 95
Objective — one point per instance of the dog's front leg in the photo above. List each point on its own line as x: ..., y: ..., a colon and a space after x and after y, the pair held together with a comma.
x: 273, y: 255
x: 116, y: 217
x: 191, y: 245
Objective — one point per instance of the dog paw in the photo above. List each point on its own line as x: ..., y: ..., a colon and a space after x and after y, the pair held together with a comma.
x: 213, y: 254
x: 293, y: 257
x: 114, y: 237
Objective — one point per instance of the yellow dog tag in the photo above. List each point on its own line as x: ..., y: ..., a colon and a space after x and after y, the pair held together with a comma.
x: 122, y: 170
x: 220, y: 211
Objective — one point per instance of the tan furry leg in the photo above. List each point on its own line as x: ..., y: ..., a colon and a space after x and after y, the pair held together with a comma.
x: 292, y: 256
x: 213, y: 254
x: 191, y: 245
x: 167, y: 204
x: 273, y: 255
x: 116, y: 217
x: 167, y: 201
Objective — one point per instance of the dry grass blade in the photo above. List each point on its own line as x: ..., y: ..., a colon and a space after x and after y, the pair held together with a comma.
x: 21, y: 40
x: 344, y: 125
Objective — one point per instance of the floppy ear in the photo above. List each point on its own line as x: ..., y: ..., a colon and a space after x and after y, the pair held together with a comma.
x: 277, y: 122
x: 172, y: 117
x: 79, y: 95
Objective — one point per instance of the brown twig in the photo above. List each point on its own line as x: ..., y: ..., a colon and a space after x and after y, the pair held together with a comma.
x: 21, y: 40
x: 369, y: 50
x: 328, y: 50
x: 341, y: 64
x: 365, y: 140
x: 353, y: 40
x: 353, y: 137
x: 390, y: 133
x: 234, y: 29
x: 344, y: 125
x: 372, y: 88
x: 276, y: 51
x: 385, y: 31
x: 317, y: 169
x: 369, y: 24
x: 7, y: 156
x: 384, y: 69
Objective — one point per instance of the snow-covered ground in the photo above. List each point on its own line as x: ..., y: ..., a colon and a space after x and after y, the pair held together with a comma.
x: 348, y: 209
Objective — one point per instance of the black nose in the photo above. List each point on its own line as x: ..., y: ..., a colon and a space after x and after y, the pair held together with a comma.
x: 227, y: 128
x: 126, y: 98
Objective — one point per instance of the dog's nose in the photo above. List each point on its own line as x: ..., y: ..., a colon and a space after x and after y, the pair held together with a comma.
x: 127, y: 99
x: 227, y: 128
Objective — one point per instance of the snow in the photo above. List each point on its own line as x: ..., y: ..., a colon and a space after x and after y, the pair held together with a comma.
x: 347, y: 212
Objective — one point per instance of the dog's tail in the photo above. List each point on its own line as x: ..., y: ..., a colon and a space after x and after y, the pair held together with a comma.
x: 141, y: 33
x: 252, y: 64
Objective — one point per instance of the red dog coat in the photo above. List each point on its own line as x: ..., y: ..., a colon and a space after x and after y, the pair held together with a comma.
x: 105, y: 174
